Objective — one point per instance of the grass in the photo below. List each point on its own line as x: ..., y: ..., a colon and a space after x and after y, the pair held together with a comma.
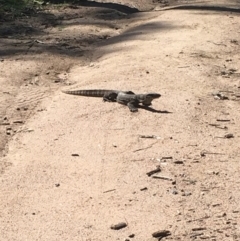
x: 15, y: 7
x: 8, y: 5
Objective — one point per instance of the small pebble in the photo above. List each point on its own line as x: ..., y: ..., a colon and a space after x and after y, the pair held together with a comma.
x: 173, y: 191
x: 75, y: 154
x: 229, y: 136
x: 178, y: 162
x: 118, y: 226
x: 161, y: 234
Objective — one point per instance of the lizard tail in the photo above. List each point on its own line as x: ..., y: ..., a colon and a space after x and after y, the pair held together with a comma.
x: 89, y: 93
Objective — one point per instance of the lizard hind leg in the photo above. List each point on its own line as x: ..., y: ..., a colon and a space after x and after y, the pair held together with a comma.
x: 110, y: 97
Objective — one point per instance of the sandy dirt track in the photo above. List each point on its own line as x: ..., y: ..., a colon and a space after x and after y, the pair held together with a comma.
x: 78, y: 165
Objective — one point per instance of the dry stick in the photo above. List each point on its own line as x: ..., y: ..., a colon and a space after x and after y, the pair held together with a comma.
x: 18, y: 122
x: 214, y: 124
x: 158, y: 169
x: 199, y: 229
x: 149, y: 136
x: 163, y: 178
x: 166, y: 157
x: 109, y: 190
x: 223, y: 120
x: 145, y: 147
x: 218, y: 126
x: 212, y: 153
x: 5, y: 124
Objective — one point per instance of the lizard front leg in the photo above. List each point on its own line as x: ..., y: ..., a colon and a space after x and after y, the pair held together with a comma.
x: 147, y: 103
x: 132, y: 106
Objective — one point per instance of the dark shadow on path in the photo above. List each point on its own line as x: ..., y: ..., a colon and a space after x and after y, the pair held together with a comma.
x: 154, y: 110
x: 114, y: 6
x: 205, y: 8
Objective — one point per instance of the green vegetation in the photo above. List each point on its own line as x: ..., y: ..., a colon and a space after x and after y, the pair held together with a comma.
x: 15, y: 7
x: 9, y: 5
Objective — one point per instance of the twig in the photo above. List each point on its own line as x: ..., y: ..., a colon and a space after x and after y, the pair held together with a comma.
x: 158, y: 169
x: 203, y: 153
x: 199, y: 229
x: 163, y: 178
x: 223, y: 120
x: 149, y: 136
x: 18, y: 122
x: 214, y: 125
x: 145, y: 147
x: 5, y: 124
x: 166, y: 157
x: 217, y: 43
x: 218, y: 126
x: 109, y: 190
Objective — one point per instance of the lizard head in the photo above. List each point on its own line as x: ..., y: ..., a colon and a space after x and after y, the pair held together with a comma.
x: 147, y: 100
x: 153, y: 95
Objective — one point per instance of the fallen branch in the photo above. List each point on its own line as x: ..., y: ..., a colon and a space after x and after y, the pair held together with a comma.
x: 158, y: 169
x: 145, y: 147
x: 150, y: 136
x: 109, y: 190
x: 163, y: 178
x: 223, y: 120
x: 203, y: 153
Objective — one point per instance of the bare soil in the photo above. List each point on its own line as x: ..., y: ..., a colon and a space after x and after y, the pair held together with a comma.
x: 73, y: 166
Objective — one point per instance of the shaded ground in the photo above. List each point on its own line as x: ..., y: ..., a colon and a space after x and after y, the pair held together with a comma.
x: 74, y: 166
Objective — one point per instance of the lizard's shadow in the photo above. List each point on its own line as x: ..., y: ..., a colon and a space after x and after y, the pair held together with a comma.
x: 154, y: 110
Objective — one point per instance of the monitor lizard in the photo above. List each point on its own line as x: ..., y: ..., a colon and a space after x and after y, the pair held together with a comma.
x: 128, y: 98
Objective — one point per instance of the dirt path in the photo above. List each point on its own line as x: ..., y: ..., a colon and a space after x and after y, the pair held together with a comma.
x: 79, y: 165
x: 37, y: 53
